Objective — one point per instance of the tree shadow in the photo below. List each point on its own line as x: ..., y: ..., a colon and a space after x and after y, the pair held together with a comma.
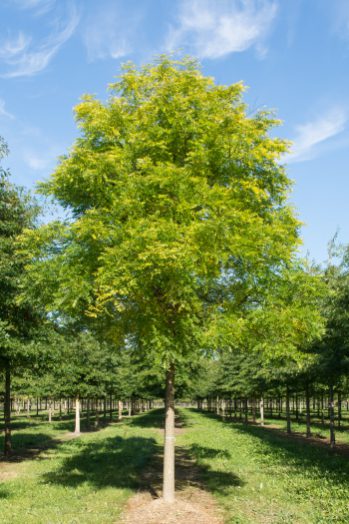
x: 137, y: 463
x: 151, y: 419
x: 27, y: 446
x: 4, y: 493
x: 111, y: 462
x: 304, y: 454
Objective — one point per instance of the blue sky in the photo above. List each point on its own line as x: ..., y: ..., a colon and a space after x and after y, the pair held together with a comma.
x: 293, y: 55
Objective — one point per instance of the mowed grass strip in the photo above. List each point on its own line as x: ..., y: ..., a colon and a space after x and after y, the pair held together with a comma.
x: 83, y: 480
x: 261, y: 477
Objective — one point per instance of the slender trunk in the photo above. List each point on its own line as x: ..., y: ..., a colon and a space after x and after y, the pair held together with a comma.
x: 261, y: 410
x: 88, y: 414
x: 7, y: 411
x: 168, y: 491
x: 50, y: 411
x: 331, y: 410
x: 77, y: 416
x: 297, y: 409
x: 223, y: 404
x: 97, y: 413
x: 288, y: 418
x: 37, y: 407
x: 120, y: 409
x: 129, y: 408
x: 307, y: 407
x: 339, y: 409
x: 245, y: 410
x: 104, y: 409
x: 110, y: 408
x: 254, y: 410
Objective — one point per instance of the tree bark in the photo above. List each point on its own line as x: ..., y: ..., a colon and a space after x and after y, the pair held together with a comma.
x: 77, y: 416
x: 7, y: 411
x: 168, y: 491
x: 331, y: 411
x: 261, y: 410
x: 288, y: 417
x: 307, y: 407
x: 120, y: 409
x: 339, y: 409
x: 50, y: 411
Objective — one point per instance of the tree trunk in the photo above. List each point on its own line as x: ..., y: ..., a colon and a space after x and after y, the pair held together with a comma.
x: 120, y: 409
x: 7, y: 411
x: 331, y: 411
x: 288, y: 417
x: 245, y: 410
x: 110, y: 408
x: 97, y: 413
x: 168, y: 491
x: 77, y: 416
x: 88, y: 414
x: 261, y: 410
x: 339, y: 409
x: 307, y: 407
x: 50, y: 411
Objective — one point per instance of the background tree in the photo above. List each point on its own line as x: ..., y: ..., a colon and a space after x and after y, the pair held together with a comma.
x: 17, y: 320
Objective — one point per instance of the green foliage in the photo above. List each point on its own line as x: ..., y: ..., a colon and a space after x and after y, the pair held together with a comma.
x: 17, y: 321
x: 179, y: 213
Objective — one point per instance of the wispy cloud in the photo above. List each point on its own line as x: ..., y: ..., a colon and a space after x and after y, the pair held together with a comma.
x: 4, y: 112
x: 39, y: 161
x: 107, y: 31
x: 39, y: 7
x: 310, y: 136
x: 212, y: 29
x: 24, y: 56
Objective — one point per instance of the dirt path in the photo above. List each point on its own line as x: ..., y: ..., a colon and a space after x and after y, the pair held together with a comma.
x: 193, y: 504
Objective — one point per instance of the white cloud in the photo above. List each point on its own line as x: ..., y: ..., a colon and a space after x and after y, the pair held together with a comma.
x: 40, y: 161
x: 3, y: 111
x: 213, y: 29
x: 310, y: 135
x: 24, y: 57
x: 107, y: 31
x: 39, y: 7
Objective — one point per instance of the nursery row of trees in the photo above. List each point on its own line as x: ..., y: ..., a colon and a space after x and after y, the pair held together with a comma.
x: 243, y: 383
x: 178, y: 252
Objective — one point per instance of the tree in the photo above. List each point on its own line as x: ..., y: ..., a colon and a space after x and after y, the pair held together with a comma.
x: 17, y: 321
x: 179, y: 216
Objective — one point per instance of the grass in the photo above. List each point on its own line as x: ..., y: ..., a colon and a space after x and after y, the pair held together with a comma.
x: 84, y: 480
x: 256, y: 475
x: 277, y: 480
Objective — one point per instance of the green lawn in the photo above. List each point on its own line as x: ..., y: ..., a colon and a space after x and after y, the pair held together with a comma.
x: 257, y: 476
x: 84, y: 480
x: 261, y: 477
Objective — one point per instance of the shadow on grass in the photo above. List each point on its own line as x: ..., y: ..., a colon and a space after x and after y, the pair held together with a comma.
x: 136, y: 463
x: 27, y: 446
x: 115, y: 462
x: 4, y: 494
x: 151, y: 419
x: 296, y: 451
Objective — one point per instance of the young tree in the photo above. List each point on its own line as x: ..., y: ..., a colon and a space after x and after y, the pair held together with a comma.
x: 17, y: 321
x: 179, y: 208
